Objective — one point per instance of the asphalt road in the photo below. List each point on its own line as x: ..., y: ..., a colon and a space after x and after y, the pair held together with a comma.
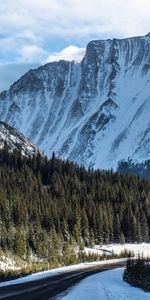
x: 50, y: 287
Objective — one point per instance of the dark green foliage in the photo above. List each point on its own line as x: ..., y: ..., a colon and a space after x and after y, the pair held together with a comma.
x: 46, y: 206
x: 20, y: 245
x: 135, y: 168
x: 137, y: 273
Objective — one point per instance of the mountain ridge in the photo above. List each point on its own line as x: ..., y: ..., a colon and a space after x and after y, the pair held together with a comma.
x: 95, y: 112
x: 15, y: 140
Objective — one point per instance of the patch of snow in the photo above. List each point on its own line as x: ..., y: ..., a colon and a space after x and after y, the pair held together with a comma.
x: 139, y: 248
x: 57, y: 271
x: 15, y: 140
x: 107, y: 285
x: 7, y: 263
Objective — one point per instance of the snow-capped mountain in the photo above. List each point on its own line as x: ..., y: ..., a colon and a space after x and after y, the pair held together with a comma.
x: 96, y: 112
x: 15, y: 140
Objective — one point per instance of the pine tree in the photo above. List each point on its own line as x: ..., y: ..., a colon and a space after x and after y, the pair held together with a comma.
x: 118, y: 234
x: 20, y: 246
x: 42, y: 245
x: 84, y: 227
x: 92, y: 239
x: 3, y: 236
x: 144, y: 228
x: 77, y: 232
x: 106, y: 228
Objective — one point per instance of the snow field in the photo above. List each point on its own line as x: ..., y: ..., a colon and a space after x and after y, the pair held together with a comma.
x: 142, y: 249
x: 107, y: 285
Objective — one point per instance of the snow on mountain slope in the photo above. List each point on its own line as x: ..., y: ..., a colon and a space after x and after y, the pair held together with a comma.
x: 96, y: 112
x: 15, y: 140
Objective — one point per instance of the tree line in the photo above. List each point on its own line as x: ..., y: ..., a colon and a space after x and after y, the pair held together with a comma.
x: 48, y: 207
x: 135, y: 168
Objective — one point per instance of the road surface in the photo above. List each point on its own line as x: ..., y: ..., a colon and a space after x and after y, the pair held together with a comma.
x: 50, y: 287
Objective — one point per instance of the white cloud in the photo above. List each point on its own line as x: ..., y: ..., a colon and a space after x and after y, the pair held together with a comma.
x: 75, y: 17
x: 9, y: 73
x: 28, y: 27
x: 70, y: 53
x: 31, y: 53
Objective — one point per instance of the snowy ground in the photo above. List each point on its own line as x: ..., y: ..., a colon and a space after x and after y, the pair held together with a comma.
x: 6, y: 263
x: 143, y: 248
x: 44, y: 274
x: 108, y: 249
x: 108, y: 285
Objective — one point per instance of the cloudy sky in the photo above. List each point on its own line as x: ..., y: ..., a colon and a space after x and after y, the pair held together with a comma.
x: 33, y: 32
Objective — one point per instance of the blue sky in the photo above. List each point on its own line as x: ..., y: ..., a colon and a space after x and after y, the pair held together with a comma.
x: 38, y: 31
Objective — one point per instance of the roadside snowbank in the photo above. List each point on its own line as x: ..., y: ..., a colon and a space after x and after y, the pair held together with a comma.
x: 107, y: 285
x: 108, y: 249
x: 44, y: 274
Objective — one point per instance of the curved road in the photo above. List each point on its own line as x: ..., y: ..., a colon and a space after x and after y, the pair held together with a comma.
x: 50, y: 287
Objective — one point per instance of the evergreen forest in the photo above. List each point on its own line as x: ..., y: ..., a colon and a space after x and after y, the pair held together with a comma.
x: 50, y: 206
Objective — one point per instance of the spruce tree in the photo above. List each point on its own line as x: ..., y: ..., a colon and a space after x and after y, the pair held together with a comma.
x: 20, y: 245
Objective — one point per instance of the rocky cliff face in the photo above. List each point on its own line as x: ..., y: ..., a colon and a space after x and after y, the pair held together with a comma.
x: 96, y: 112
x: 15, y: 140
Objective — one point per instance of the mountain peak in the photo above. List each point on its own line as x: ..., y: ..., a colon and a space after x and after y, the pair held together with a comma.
x: 95, y: 112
